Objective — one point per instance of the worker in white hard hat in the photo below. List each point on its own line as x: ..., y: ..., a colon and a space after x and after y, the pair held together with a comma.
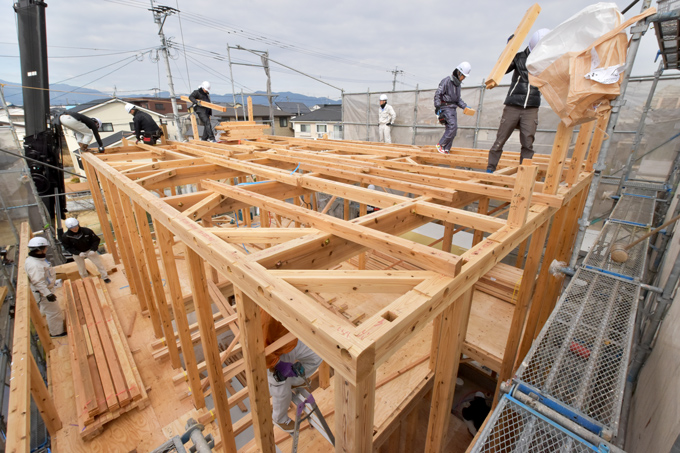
x: 204, y: 113
x: 82, y: 243
x: 146, y: 129
x: 42, y: 278
x: 521, y: 107
x: 84, y: 127
x: 386, y: 117
x: 446, y: 99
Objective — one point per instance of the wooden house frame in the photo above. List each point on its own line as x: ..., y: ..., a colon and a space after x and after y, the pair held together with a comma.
x: 294, y: 262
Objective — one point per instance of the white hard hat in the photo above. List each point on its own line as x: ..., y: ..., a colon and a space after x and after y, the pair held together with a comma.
x: 371, y: 186
x: 537, y: 36
x: 71, y: 222
x: 38, y: 243
x: 464, y: 68
x: 129, y: 107
x: 383, y: 97
x: 98, y: 121
x: 205, y: 85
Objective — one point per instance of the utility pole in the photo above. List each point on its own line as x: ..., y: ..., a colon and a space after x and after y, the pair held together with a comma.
x: 160, y: 13
x: 233, y: 90
x: 395, y: 72
x: 265, y: 63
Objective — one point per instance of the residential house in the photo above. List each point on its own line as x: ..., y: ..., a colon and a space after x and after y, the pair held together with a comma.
x: 159, y: 105
x: 325, y: 120
x: 296, y: 108
x: 16, y: 114
x: 282, y: 120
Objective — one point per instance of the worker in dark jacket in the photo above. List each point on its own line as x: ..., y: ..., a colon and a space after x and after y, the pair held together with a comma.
x: 84, y: 127
x: 146, y: 128
x: 446, y: 99
x: 203, y: 94
x: 82, y: 243
x: 521, y: 108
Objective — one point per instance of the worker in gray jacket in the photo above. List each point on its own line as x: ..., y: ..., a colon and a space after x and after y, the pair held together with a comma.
x: 386, y: 117
x: 42, y: 277
x: 446, y: 99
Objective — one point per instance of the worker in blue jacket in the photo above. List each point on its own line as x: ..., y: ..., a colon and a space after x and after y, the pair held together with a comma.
x: 446, y: 99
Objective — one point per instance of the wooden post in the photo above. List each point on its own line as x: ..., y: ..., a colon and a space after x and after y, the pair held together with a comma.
x: 165, y: 241
x: 252, y: 342
x: 324, y: 375
x: 558, y: 156
x: 521, y: 195
x: 101, y: 211
x: 482, y: 208
x: 579, y: 154
x: 447, y: 241
x: 363, y: 210
x: 194, y: 125
x: 43, y: 399
x: 598, y: 138
x: 206, y: 326
x: 208, y: 223
x: 39, y: 323
x: 157, y: 285
x: 354, y: 412
x: 453, y: 328
x: 250, y: 109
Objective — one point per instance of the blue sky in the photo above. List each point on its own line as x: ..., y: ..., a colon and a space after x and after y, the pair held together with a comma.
x: 109, y: 44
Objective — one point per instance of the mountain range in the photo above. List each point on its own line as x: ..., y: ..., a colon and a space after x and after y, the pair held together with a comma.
x: 64, y: 94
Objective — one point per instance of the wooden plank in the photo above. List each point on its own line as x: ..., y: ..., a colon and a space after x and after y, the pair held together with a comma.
x: 209, y: 341
x: 210, y: 105
x: 252, y: 340
x: 194, y: 125
x: 100, y: 208
x: 483, y: 208
x: 557, y: 158
x: 513, y: 46
x: 598, y: 137
x: 39, y: 323
x: 157, y: 284
x: 165, y: 242
x: 355, y: 407
x: 43, y: 399
x: 521, y: 198
x: 453, y: 328
x: 579, y: 154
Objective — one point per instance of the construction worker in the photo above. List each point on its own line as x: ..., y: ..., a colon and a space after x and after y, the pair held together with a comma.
x: 203, y: 94
x: 386, y: 116
x: 83, y: 243
x: 521, y: 108
x: 42, y: 277
x: 146, y: 129
x: 281, y: 361
x: 84, y: 129
x: 446, y: 99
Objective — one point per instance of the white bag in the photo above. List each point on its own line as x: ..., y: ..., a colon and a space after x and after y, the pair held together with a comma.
x: 573, y: 35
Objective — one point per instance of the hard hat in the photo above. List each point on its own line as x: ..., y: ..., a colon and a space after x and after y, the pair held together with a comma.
x: 71, y: 222
x: 464, y: 68
x: 537, y: 36
x: 129, y: 107
x: 383, y: 97
x: 38, y: 243
x: 206, y: 86
x: 371, y: 186
x: 99, y: 122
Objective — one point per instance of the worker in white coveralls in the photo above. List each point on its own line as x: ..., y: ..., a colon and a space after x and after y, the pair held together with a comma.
x: 386, y: 117
x: 83, y: 243
x: 280, y: 363
x: 42, y: 277
x: 85, y: 129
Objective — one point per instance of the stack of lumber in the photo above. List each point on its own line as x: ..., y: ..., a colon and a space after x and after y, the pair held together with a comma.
x: 241, y: 130
x: 105, y: 378
x: 502, y: 281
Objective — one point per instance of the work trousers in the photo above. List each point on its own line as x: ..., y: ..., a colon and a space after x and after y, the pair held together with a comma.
x: 385, y: 133
x: 515, y: 117
x: 281, y: 391
x: 451, y: 127
x: 52, y: 312
x: 95, y: 258
x: 207, y: 127
x: 82, y: 132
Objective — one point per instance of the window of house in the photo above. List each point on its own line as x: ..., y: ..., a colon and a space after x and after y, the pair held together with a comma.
x: 338, y: 127
x: 179, y: 106
x: 321, y: 128
x: 304, y: 128
x: 107, y: 127
x: 160, y: 106
x: 283, y: 122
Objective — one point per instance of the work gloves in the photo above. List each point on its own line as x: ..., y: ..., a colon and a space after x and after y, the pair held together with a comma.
x: 285, y: 369
x: 83, y: 254
x: 389, y: 124
x: 51, y: 297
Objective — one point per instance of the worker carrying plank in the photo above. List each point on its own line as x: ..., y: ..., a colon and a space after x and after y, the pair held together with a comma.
x: 84, y: 128
x: 204, y: 113
x: 82, y: 243
x: 41, y: 276
x: 386, y: 117
x: 146, y: 129
x: 521, y: 107
x: 446, y: 99
x: 281, y: 373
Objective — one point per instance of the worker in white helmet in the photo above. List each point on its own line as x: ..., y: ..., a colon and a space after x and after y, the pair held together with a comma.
x: 42, y: 277
x: 146, y: 129
x: 446, y: 99
x: 204, y: 113
x: 84, y: 127
x: 386, y: 117
x: 521, y: 108
x: 82, y: 243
